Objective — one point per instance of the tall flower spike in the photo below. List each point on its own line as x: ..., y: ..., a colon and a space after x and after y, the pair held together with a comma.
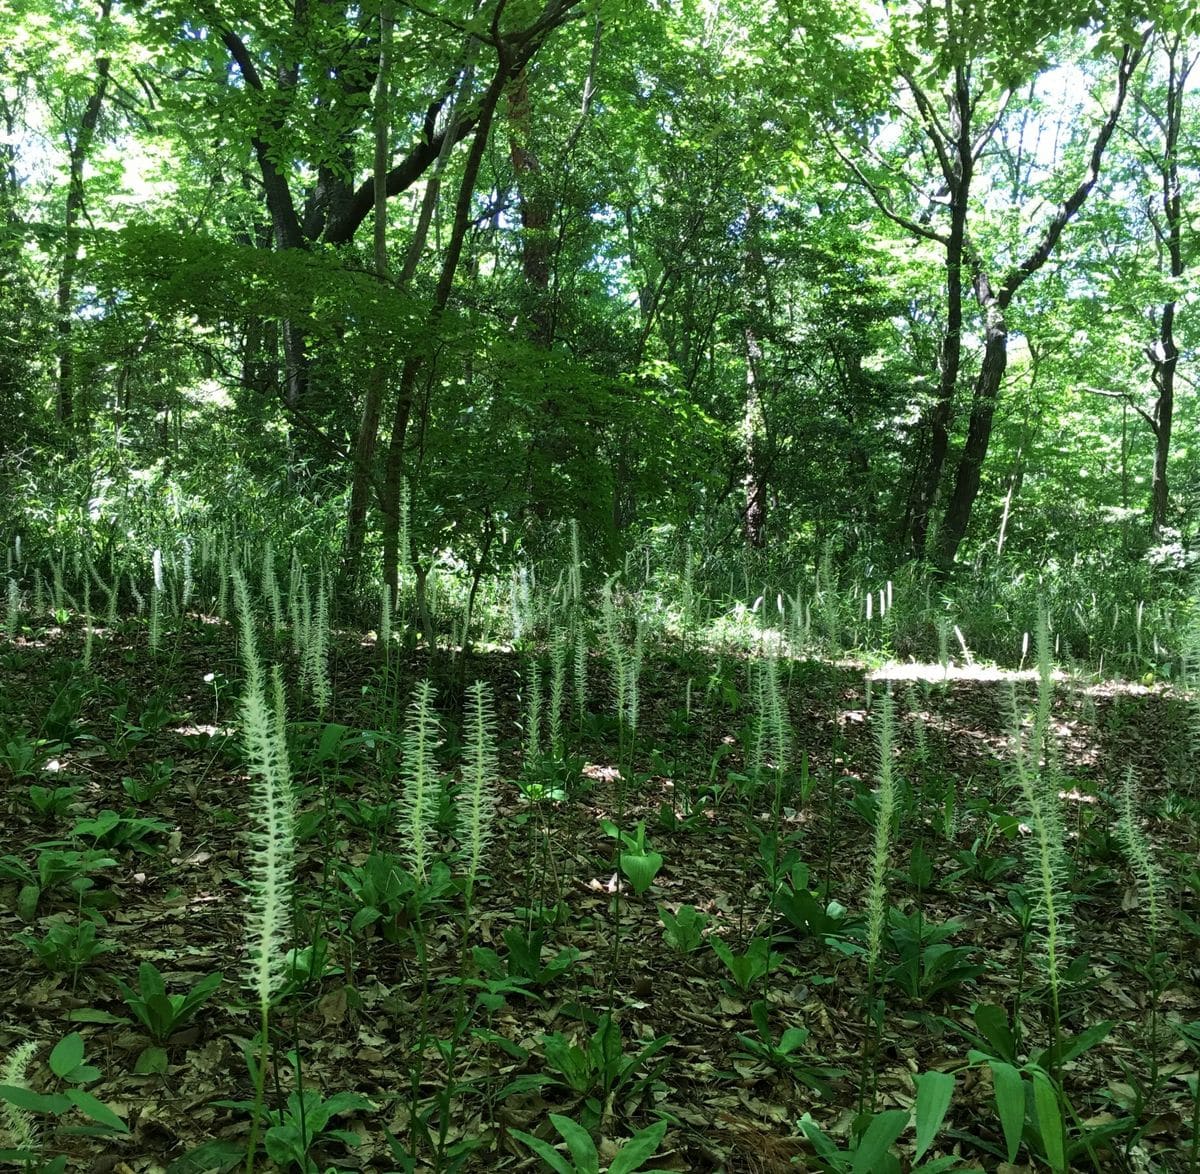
x: 272, y: 816
x: 419, y: 802
x: 476, y: 800
x: 885, y: 734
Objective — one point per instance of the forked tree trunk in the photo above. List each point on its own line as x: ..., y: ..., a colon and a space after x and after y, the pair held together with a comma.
x: 995, y: 303
x: 1164, y: 354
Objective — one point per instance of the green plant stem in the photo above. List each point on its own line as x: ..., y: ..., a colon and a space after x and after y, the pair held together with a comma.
x: 464, y: 953
x: 1022, y: 953
x: 260, y: 1077
x: 1194, y: 1156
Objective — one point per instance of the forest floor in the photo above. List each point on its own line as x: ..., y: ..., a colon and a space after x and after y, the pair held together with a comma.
x: 152, y: 738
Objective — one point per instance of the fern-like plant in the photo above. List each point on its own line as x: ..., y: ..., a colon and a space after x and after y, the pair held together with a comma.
x: 18, y: 1127
x: 271, y: 838
x: 156, y: 589
x: 385, y: 617
x: 580, y: 662
x: 272, y: 815
x: 1136, y: 847
x: 1034, y: 768
x: 224, y: 571
x: 422, y: 783
x: 87, y: 624
x: 476, y: 798
x: 316, y: 654
x: 533, y: 711
x: 12, y: 619
x: 559, y: 648
x: 269, y: 586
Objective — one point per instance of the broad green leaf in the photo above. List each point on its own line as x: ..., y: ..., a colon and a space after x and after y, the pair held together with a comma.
x: 934, y: 1091
x: 546, y: 1152
x: 67, y: 1055
x: 96, y: 1109
x: 284, y: 1145
x: 820, y: 1141
x: 1050, y: 1122
x: 992, y: 1022
x: 641, y: 868
x: 151, y: 1060
x: 579, y: 1142
x: 150, y: 980
x: 638, y: 1149
x: 34, y: 1102
x: 95, y: 1015
x: 1069, y: 1049
x: 877, y: 1140
x: 348, y: 1102
x: 1010, y: 1104
x: 220, y: 1156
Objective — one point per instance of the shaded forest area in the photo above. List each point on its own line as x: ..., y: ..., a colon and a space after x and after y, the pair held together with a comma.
x: 599, y: 585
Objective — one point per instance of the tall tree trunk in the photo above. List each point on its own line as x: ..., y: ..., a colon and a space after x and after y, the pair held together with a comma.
x: 958, y: 174
x: 77, y: 158
x: 1164, y: 353
x: 979, y: 432
x: 754, y: 480
x: 1166, y: 356
x: 535, y: 211
x: 368, y: 425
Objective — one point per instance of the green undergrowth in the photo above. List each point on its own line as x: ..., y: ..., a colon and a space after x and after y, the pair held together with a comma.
x: 612, y: 884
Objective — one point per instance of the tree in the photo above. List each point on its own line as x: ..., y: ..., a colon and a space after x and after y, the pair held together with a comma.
x: 959, y: 66
x: 1161, y: 150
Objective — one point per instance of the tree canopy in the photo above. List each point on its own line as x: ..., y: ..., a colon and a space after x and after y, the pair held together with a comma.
x: 777, y: 274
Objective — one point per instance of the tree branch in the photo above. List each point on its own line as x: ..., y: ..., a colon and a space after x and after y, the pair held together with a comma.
x: 1130, y: 58
x: 908, y: 225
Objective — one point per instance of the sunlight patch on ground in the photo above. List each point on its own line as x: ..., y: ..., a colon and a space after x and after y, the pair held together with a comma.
x: 897, y: 671
x: 894, y: 670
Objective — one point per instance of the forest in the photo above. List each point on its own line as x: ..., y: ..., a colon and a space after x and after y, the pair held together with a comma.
x: 600, y: 585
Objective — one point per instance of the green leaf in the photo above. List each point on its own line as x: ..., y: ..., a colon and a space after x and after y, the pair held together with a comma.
x: 190, y: 1002
x: 635, y: 1152
x: 1010, y: 1104
x: 284, y: 1145
x: 934, y: 1091
x: 1067, y: 1050
x: 1050, y: 1122
x: 96, y: 1109
x: 95, y: 1015
x: 150, y: 980
x: 347, y: 1102
x: 546, y: 1152
x: 151, y: 1061
x: 992, y: 1022
x: 220, y: 1156
x: 579, y: 1142
x: 820, y: 1141
x: 641, y: 868
x: 67, y: 1055
x: 881, y: 1133
x: 34, y: 1102
x: 27, y: 902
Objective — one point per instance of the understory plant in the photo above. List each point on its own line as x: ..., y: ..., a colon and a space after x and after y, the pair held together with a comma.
x: 270, y: 843
x: 584, y: 1157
